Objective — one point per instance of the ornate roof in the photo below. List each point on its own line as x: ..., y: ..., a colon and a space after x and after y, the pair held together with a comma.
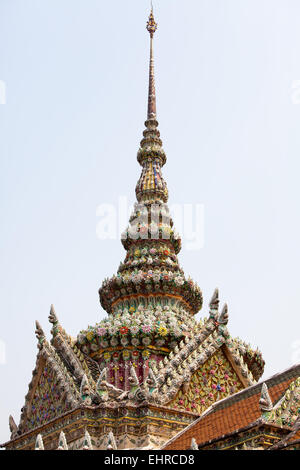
x: 65, y: 378
x: 244, y: 410
x: 149, y: 356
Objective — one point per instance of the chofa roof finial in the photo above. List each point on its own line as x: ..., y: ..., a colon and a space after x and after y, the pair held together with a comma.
x: 214, y: 304
x: 39, y: 333
x: 54, y: 320
x: 12, y: 426
x: 223, y: 318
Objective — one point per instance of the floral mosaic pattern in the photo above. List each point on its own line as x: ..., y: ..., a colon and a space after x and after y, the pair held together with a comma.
x: 151, y: 264
x: 288, y: 409
x: 138, y: 326
x: 214, y: 381
x: 146, y: 281
x: 155, y: 254
x: 47, y: 400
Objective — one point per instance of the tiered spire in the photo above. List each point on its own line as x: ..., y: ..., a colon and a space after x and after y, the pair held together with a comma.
x: 151, y: 268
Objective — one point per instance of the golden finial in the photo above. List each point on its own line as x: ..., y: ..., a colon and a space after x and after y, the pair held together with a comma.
x: 151, y: 25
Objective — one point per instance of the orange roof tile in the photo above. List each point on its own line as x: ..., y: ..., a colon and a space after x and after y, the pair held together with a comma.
x: 295, y: 437
x: 235, y: 412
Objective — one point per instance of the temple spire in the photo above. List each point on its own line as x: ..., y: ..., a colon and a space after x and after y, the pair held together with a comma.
x: 150, y: 228
x: 151, y: 27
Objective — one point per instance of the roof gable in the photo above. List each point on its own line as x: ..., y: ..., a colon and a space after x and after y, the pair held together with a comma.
x: 47, y: 400
x: 214, y: 380
x: 233, y: 413
x: 52, y: 390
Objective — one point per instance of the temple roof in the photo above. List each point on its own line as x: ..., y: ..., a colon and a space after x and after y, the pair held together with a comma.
x: 61, y: 362
x: 80, y: 381
x: 237, y: 412
x: 292, y: 439
x: 150, y: 350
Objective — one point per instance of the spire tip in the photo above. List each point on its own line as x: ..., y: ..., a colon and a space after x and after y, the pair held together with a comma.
x: 151, y: 24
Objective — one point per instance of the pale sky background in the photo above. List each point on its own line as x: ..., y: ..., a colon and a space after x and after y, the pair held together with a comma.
x: 76, y: 87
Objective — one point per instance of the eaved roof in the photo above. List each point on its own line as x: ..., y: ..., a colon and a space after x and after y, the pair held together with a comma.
x: 233, y: 413
x: 292, y: 439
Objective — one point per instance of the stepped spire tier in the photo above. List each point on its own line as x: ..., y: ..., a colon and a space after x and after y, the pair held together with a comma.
x: 150, y: 288
x: 151, y: 186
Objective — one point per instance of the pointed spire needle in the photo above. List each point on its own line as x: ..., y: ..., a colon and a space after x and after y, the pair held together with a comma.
x: 151, y: 28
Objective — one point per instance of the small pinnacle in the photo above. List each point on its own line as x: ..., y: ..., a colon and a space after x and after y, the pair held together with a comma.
x: 39, y: 333
x: 224, y: 315
x: 214, y: 302
x: 39, y: 445
x: 52, y: 315
x: 194, y: 445
x: 111, y: 444
x: 265, y: 401
x: 12, y: 425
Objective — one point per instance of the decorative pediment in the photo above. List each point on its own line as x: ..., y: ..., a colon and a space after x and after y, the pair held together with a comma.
x: 198, y: 352
x: 51, y: 393
x: 53, y: 389
x: 214, y: 380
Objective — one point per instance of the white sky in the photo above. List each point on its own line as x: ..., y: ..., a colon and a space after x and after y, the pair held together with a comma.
x: 76, y: 87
